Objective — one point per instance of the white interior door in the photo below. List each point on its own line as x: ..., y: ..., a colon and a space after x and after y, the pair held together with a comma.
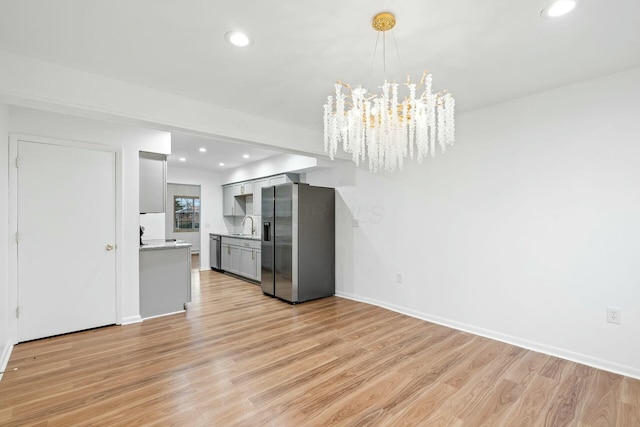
x: 66, y: 239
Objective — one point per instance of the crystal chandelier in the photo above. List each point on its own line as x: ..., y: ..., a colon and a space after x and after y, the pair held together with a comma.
x: 384, y: 129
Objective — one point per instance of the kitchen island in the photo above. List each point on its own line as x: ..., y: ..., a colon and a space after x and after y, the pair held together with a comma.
x: 165, y: 277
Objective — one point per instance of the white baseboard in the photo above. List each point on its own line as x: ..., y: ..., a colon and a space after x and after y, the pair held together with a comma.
x: 7, y: 348
x: 131, y: 320
x: 584, y: 359
x: 164, y: 314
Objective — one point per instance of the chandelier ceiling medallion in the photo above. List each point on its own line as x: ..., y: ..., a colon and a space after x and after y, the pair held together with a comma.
x: 382, y: 128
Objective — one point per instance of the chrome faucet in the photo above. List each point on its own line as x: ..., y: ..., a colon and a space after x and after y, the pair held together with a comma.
x: 253, y: 230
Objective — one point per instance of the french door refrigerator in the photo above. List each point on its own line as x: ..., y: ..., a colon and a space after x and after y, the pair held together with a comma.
x: 298, y: 242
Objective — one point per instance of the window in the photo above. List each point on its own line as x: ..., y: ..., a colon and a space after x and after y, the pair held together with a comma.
x: 186, y: 213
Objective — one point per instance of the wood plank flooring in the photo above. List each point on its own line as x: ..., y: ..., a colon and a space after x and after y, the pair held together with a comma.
x: 238, y: 357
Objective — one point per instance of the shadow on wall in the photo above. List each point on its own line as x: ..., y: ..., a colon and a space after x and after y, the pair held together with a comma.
x: 345, y: 275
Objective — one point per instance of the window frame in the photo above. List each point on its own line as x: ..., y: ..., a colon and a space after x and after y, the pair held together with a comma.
x: 195, y: 225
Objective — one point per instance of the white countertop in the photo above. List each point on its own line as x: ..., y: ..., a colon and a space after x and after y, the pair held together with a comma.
x: 237, y: 236
x: 155, y: 244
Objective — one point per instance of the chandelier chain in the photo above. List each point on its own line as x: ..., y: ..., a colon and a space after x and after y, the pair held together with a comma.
x: 373, y: 60
x: 395, y: 42
x: 384, y: 54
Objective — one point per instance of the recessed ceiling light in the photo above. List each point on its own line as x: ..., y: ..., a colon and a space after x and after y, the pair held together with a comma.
x: 221, y: 164
x: 559, y: 8
x: 237, y: 38
x: 246, y: 156
x: 182, y: 159
x: 203, y: 150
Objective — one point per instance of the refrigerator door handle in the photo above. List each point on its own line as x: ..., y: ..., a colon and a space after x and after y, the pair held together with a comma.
x: 266, y: 232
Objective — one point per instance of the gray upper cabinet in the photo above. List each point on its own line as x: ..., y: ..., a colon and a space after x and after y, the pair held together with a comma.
x: 228, y: 200
x: 244, y: 188
x: 153, y: 182
x: 233, y: 203
x: 245, y: 198
x: 276, y: 180
x: 257, y: 195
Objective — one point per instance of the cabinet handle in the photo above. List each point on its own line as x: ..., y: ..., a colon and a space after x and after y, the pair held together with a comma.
x: 252, y: 254
x: 228, y: 250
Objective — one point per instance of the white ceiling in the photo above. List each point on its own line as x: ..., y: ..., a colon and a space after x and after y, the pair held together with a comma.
x: 483, y: 52
x: 231, y: 154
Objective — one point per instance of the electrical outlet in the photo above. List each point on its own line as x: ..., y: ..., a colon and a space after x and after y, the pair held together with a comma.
x: 613, y: 315
x: 398, y: 277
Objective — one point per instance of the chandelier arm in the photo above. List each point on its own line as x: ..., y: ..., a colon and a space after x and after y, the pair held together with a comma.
x: 422, y: 80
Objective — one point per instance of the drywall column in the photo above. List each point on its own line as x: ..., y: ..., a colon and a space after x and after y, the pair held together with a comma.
x: 5, y: 340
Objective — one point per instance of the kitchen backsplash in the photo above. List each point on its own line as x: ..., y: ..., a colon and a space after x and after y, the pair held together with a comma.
x: 154, y: 226
x: 234, y: 225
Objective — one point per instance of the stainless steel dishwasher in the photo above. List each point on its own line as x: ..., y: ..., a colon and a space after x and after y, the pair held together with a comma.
x: 215, y: 252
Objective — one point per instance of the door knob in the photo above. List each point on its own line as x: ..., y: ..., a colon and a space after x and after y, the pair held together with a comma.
x: 109, y: 247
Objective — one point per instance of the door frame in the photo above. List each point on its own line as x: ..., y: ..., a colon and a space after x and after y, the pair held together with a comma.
x: 14, y: 138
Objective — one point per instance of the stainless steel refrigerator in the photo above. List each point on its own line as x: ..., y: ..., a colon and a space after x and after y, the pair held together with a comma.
x: 298, y: 242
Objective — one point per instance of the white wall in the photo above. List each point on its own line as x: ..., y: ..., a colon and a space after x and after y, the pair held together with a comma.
x: 5, y: 336
x: 525, y: 231
x: 132, y: 140
x: 38, y: 84
x: 275, y: 165
x: 192, y: 237
x: 211, y: 220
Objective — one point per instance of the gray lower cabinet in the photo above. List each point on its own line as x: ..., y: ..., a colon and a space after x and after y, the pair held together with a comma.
x: 241, y: 257
x: 248, y: 262
x: 230, y: 257
x: 225, y: 258
x: 165, y: 281
x: 258, y: 265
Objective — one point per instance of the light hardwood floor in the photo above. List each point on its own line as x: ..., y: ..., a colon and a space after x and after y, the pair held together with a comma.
x: 238, y: 357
